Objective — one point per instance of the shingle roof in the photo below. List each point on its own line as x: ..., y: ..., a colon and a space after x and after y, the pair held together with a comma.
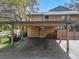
x: 60, y: 8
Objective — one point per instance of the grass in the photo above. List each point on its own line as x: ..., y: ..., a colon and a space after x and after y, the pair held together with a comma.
x: 4, y: 42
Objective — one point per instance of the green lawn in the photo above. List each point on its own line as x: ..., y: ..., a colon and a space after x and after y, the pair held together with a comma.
x: 4, y: 42
x: 4, y: 39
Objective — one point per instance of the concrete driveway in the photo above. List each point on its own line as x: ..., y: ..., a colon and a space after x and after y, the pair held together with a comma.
x: 55, y: 51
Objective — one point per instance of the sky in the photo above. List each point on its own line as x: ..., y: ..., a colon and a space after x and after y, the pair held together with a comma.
x: 45, y: 5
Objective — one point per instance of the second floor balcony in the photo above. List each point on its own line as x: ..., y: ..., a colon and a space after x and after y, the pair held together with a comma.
x: 60, y: 19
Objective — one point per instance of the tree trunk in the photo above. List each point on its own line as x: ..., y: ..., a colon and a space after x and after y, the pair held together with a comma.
x: 12, y: 35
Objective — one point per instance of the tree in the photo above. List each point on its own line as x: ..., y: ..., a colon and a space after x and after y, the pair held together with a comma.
x: 15, y: 10
x: 73, y: 4
x: 18, y: 9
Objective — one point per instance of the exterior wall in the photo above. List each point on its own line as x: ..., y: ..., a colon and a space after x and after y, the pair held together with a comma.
x: 37, y: 18
x: 54, y: 17
x: 42, y: 17
x: 32, y: 32
x: 75, y: 17
x: 46, y: 31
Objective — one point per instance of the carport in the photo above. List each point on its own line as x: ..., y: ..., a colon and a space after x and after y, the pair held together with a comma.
x: 66, y: 22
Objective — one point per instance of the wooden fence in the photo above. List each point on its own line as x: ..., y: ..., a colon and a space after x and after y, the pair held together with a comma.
x: 72, y: 35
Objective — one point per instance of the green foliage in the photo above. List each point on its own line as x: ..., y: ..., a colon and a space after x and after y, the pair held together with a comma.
x: 4, y: 27
x: 4, y: 42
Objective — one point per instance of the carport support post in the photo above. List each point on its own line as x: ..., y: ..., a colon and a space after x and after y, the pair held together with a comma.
x: 67, y: 36
x: 21, y: 32
x: 12, y: 34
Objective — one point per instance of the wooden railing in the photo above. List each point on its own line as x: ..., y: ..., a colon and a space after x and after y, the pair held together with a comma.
x: 52, y: 19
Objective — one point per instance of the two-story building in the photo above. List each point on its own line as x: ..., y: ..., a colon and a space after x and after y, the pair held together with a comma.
x: 44, y: 23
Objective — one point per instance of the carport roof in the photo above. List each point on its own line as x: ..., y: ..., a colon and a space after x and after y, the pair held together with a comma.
x: 32, y: 22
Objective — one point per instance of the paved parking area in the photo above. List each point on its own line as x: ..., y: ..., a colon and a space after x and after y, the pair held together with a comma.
x: 55, y: 51
x: 74, y: 48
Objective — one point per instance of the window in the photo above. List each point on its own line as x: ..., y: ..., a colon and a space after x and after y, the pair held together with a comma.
x: 46, y: 17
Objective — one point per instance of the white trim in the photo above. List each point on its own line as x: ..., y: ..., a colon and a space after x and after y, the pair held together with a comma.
x: 56, y: 13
